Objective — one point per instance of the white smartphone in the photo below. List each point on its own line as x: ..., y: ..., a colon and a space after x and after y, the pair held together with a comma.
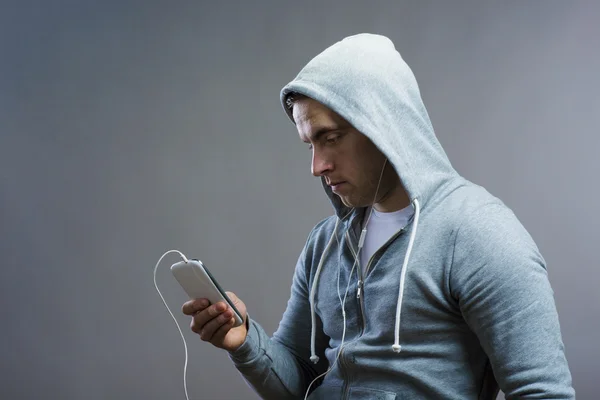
x: 198, y: 283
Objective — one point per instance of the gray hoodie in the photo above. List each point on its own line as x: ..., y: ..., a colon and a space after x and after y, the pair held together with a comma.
x: 457, y: 305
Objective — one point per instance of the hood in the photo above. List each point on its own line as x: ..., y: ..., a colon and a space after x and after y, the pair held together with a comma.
x: 364, y: 79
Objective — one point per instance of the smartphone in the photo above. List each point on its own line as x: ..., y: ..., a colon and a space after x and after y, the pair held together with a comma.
x: 197, y: 281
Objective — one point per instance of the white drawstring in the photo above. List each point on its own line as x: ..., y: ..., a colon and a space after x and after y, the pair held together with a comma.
x: 396, y: 347
x: 314, y: 358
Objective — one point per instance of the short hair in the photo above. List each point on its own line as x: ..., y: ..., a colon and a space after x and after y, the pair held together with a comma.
x: 292, y: 97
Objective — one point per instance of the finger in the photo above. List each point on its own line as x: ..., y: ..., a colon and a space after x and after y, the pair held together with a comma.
x: 232, y: 296
x: 193, y: 306
x: 208, y: 330
x: 201, y: 318
x: 219, y: 335
x: 236, y: 302
x: 195, y: 327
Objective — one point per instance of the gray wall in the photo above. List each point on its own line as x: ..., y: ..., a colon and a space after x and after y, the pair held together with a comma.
x: 128, y: 129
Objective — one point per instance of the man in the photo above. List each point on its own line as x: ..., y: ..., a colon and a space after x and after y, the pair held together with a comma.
x: 422, y: 285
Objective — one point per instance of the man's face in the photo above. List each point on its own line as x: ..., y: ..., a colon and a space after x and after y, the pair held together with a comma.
x: 349, y: 161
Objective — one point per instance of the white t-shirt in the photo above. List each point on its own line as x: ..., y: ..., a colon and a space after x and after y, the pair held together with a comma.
x: 381, y: 226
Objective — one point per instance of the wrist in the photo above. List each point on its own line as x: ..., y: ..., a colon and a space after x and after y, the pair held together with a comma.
x: 246, y: 347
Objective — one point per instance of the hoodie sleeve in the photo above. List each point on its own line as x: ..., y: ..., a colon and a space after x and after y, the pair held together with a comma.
x: 501, y: 284
x: 278, y: 367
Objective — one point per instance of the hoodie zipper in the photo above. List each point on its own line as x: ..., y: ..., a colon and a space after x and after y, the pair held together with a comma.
x: 345, y: 375
x: 359, y: 297
x: 360, y: 285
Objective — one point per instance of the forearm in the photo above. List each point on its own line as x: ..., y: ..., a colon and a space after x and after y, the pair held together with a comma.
x: 278, y: 367
x: 269, y: 367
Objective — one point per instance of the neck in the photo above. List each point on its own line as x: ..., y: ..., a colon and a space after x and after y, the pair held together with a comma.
x: 394, y: 200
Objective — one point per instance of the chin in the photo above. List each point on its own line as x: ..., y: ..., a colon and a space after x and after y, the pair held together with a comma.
x: 353, y: 203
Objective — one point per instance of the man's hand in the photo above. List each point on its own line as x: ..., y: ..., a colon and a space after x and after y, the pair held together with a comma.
x: 214, y: 323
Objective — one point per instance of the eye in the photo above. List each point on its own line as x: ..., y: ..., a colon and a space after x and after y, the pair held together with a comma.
x: 332, y: 139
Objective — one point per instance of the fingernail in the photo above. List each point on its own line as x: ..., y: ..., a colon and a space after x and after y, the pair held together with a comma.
x: 221, y: 307
x: 203, y: 303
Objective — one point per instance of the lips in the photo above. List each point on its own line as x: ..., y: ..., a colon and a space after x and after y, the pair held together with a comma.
x: 335, y: 186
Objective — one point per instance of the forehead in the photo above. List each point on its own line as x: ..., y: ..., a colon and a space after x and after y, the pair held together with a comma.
x: 311, y: 116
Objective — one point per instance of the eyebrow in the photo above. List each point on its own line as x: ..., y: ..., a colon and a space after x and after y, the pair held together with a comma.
x: 322, y: 131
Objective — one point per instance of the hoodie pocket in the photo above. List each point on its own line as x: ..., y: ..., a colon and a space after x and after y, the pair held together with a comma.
x: 327, y: 392
x: 360, y: 393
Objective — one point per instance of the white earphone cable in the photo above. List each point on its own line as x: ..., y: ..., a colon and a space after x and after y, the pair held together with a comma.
x: 174, y: 319
x: 344, y: 330
x: 361, y: 242
x: 343, y: 302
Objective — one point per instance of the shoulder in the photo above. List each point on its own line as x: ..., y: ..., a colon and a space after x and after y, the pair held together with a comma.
x: 324, y: 227
x: 493, y: 226
x: 477, y: 216
x: 492, y: 248
x: 313, y: 248
x: 320, y: 234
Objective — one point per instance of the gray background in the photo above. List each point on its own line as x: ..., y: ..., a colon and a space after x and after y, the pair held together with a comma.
x: 128, y: 129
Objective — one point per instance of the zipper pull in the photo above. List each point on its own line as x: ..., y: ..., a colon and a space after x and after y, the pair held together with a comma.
x: 358, y: 291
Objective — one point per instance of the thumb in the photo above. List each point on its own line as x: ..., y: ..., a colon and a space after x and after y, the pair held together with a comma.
x: 239, y: 304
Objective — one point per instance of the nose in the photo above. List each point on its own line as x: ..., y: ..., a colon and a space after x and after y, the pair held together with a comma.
x: 320, y: 163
